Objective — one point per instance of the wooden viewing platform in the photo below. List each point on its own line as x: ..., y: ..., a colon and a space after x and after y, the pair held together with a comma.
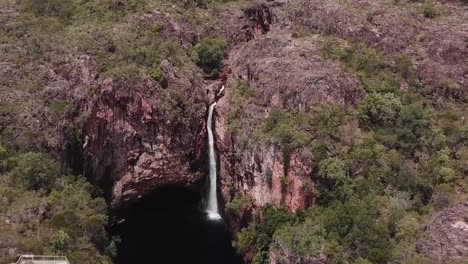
x: 36, y: 259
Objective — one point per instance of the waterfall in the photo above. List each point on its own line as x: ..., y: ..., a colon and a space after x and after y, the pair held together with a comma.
x: 212, y: 208
x: 220, y: 92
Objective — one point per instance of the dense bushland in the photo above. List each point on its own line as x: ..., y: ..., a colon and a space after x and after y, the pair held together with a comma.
x: 46, y: 211
x: 381, y: 168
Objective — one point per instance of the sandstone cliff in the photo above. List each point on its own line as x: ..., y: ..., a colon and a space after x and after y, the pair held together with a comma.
x: 141, y: 136
x: 446, y: 235
x: 286, y: 73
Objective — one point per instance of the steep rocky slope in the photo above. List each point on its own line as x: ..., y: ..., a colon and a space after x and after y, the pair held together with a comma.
x: 287, y: 72
x: 283, y: 67
x: 281, y: 72
x: 123, y: 100
x: 141, y: 136
x: 446, y: 235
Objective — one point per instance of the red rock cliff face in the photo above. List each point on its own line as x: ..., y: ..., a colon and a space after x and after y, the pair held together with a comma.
x: 140, y: 136
x: 281, y: 72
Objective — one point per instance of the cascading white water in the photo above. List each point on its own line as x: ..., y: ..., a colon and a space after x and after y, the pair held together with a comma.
x: 212, y: 208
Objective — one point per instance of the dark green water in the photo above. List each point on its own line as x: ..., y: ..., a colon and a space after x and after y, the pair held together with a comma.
x: 170, y: 227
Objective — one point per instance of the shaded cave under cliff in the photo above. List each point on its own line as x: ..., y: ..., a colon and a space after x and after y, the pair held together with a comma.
x: 169, y: 226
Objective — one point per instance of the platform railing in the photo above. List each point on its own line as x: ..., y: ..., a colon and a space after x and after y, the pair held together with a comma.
x: 41, y: 258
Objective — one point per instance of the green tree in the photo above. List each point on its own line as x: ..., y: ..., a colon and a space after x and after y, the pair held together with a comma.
x: 239, y: 203
x: 245, y: 240
x: 412, y: 128
x: 35, y: 171
x: 272, y: 219
x: 353, y: 224
x: 60, y: 243
x: 332, y: 169
x: 209, y: 53
x: 304, y: 240
x: 407, y: 233
x: 361, y: 159
x: 408, y: 228
x: 335, y: 252
x: 429, y: 9
x: 326, y: 119
x: 379, y: 109
x: 443, y: 196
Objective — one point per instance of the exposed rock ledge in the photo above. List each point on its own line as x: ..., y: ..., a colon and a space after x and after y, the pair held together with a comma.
x: 446, y: 235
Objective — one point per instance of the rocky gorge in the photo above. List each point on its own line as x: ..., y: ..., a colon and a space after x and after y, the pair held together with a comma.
x: 128, y: 112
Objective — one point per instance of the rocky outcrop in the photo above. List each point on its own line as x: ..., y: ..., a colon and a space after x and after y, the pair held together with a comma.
x: 290, y: 73
x: 38, y: 119
x: 283, y: 72
x: 393, y: 30
x: 446, y: 235
x: 261, y: 18
x: 141, y: 136
x: 327, y: 17
x: 258, y: 172
x: 236, y: 27
x: 444, y: 67
x: 390, y: 29
x: 168, y: 25
x: 437, y: 49
x: 242, y: 25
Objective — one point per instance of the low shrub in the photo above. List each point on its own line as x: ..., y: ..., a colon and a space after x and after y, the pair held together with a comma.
x: 59, y: 8
x: 239, y: 203
x: 429, y: 9
x: 208, y: 55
